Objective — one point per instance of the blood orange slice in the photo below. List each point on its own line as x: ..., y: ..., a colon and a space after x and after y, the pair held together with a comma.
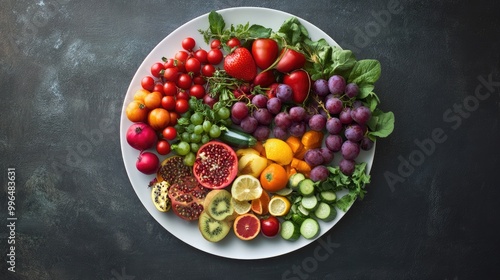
x: 246, y: 226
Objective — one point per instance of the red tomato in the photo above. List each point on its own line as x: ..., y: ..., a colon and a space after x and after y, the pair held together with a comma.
x: 156, y: 68
x: 291, y: 60
x: 171, y: 74
x: 270, y: 226
x: 197, y: 91
x: 233, y: 42
x: 181, y: 56
x: 169, y: 133
x: 148, y: 83
x: 193, y: 65
x: 173, y: 118
x: 188, y: 44
x: 199, y: 80
x: 170, y: 62
x: 201, y: 55
x: 182, y: 95
x: 159, y: 88
x: 215, y: 56
x: 215, y: 44
x: 170, y: 88
x: 184, y: 81
x: 163, y: 147
x: 181, y: 106
x: 208, y: 70
x: 168, y: 102
x: 264, y: 52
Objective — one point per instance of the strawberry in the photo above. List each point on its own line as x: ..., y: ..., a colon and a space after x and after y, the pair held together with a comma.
x: 240, y: 65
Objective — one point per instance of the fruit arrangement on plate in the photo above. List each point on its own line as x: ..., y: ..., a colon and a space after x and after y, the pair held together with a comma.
x: 259, y: 133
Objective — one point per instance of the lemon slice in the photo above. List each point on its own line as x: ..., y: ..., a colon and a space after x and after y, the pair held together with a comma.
x: 246, y: 187
x: 241, y: 207
x: 279, y: 206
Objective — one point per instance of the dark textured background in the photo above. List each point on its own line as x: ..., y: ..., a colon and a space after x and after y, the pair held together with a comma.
x: 66, y: 66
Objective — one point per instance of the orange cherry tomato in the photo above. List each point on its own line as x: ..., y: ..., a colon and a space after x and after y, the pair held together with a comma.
x: 136, y: 111
x: 158, y: 119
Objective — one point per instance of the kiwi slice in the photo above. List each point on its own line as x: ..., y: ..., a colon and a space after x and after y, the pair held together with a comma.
x: 218, y: 205
x: 212, y: 229
x: 159, y: 195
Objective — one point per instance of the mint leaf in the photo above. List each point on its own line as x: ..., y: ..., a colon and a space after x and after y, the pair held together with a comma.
x: 381, y: 124
x: 366, y: 71
x: 258, y: 31
x: 293, y: 32
x: 343, y: 62
x: 217, y: 23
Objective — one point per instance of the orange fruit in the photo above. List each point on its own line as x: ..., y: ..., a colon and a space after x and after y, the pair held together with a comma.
x: 278, y: 151
x: 246, y: 226
x: 273, y: 178
x: 260, y: 206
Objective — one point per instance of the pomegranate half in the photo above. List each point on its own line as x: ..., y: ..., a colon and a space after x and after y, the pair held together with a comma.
x: 216, y: 165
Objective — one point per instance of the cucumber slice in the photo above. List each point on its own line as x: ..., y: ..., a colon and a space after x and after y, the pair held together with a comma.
x: 302, y: 211
x: 290, y: 231
x: 306, y: 187
x: 328, y: 196
x: 309, y: 228
x: 298, y: 219
x: 284, y: 191
x: 294, y: 180
x: 309, y: 202
x: 325, y: 212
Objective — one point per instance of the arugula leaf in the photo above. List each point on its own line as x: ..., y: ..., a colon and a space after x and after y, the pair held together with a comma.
x: 381, y: 124
x: 355, y: 184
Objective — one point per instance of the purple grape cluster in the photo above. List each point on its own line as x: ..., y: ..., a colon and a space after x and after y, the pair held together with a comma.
x: 346, y: 121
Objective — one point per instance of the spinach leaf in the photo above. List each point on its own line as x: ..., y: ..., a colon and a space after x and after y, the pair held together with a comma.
x: 293, y: 32
x: 366, y: 71
x: 381, y: 124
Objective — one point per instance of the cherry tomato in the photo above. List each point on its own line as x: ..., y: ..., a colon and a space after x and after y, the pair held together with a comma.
x: 193, y: 65
x: 264, y: 52
x: 215, y: 56
x: 182, y: 95
x: 233, y: 42
x: 170, y: 88
x: 188, y: 44
x: 140, y: 94
x: 208, y: 70
x: 148, y: 83
x: 184, y: 81
x: 215, y: 44
x: 270, y: 226
x: 199, y: 80
x: 169, y: 133
x: 171, y: 74
x: 170, y: 62
x: 158, y: 119
x: 156, y: 68
x: 181, y: 56
x: 180, y: 65
x: 158, y: 87
x: 136, y: 111
x: 201, y: 55
x: 181, y: 106
x: 163, y: 147
x: 168, y: 102
x: 153, y: 100
x: 197, y: 91
x: 173, y: 118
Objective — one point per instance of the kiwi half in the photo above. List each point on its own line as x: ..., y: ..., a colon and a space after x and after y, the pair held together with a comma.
x: 218, y: 205
x: 212, y: 229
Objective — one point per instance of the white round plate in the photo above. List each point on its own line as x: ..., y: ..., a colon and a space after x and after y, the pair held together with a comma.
x: 231, y: 246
